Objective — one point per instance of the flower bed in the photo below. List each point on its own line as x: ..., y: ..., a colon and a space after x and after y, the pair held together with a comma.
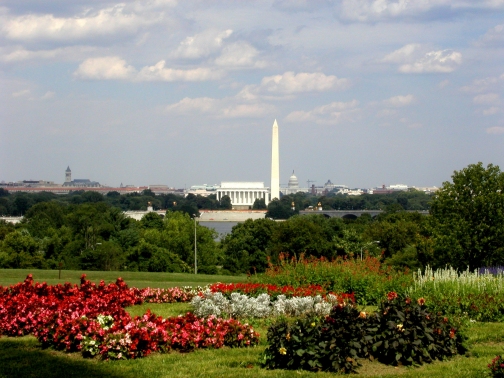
x: 368, y: 279
x: 474, y: 295
x: 255, y: 289
x: 169, y: 295
x: 91, y: 319
x: 244, y: 306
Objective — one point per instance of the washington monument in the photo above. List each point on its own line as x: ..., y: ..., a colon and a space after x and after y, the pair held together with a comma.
x: 275, y: 164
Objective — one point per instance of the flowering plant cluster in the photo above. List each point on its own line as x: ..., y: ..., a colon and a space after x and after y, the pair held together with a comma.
x: 369, y: 279
x: 400, y: 332
x: 255, y: 289
x: 497, y: 367
x: 91, y: 319
x: 241, y: 305
x: 169, y: 295
x: 477, y: 295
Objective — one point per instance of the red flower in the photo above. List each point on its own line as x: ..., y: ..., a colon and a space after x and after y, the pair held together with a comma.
x: 391, y: 295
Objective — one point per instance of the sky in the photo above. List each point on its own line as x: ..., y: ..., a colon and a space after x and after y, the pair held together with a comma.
x: 181, y: 93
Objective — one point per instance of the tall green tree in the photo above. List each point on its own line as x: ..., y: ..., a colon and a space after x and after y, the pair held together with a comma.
x: 467, y: 218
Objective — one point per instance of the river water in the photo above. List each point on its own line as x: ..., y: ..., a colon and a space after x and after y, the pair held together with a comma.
x: 222, y: 228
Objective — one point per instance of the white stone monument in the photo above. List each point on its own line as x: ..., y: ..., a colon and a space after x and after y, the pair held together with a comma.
x: 275, y: 164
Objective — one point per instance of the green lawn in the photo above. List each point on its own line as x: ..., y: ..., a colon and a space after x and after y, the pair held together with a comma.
x: 23, y: 357
x: 133, y: 279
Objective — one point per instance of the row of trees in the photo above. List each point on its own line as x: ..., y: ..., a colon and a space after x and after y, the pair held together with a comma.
x: 98, y: 236
x: 465, y: 228
x: 17, y: 204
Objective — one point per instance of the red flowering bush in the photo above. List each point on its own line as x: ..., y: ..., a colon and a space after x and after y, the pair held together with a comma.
x: 169, y: 295
x: 91, y: 318
x: 497, y: 367
x: 254, y: 289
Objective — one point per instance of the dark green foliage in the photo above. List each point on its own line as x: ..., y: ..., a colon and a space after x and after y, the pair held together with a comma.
x: 246, y: 249
x: 407, y: 333
x: 334, y: 343
x: 399, y: 333
x: 467, y: 218
x: 259, y: 204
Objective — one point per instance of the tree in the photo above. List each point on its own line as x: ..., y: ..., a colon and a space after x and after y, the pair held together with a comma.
x: 225, y: 203
x: 467, y: 218
x: 259, y: 204
x: 246, y: 248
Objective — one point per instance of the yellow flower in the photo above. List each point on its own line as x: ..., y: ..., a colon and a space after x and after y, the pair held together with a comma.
x: 282, y: 351
x: 287, y: 336
x: 400, y: 327
x: 362, y: 315
x: 313, y: 324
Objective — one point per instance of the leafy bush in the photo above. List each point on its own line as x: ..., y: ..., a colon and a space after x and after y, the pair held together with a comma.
x: 401, y: 332
x: 497, y: 367
x: 406, y: 333
x: 333, y: 344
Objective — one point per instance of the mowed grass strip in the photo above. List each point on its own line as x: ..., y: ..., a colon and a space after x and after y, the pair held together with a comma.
x: 133, y: 279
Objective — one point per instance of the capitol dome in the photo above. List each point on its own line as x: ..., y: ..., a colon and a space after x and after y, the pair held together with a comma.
x: 293, y: 181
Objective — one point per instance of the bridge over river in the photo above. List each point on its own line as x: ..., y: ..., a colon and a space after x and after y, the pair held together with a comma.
x: 352, y: 213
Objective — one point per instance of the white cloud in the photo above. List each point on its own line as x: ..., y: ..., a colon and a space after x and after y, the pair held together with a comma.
x: 494, y: 36
x: 412, y: 58
x: 21, y: 54
x: 405, y: 53
x: 435, y: 61
x: 482, y: 85
x: 105, y: 68
x: 21, y: 93
x: 399, y: 101
x: 220, y: 108
x: 239, y: 55
x: 491, y: 111
x: 382, y: 10
x: 302, y: 82
x: 159, y: 72
x: 115, y: 68
x: 495, y: 130
x: 386, y: 113
x: 202, y: 44
x: 106, y: 21
x: 332, y: 113
x: 488, y: 98
x: 48, y: 95
x: 286, y: 85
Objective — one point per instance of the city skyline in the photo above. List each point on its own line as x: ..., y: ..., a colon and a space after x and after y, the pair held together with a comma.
x: 366, y: 92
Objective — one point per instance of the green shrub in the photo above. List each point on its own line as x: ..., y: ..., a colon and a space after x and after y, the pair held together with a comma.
x: 400, y: 332
x: 407, y: 333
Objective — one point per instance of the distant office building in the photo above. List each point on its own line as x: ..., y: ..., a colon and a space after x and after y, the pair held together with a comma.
x: 202, y: 190
x: 81, y: 183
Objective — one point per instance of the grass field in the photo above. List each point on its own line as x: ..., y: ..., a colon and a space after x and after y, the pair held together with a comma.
x: 133, y: 279
x: 23, y: 357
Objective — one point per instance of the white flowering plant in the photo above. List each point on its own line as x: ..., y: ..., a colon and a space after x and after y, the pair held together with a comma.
x: 469, y: 295
x: 244, y: 306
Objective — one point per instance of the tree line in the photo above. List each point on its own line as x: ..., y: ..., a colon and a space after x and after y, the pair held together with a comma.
x: 465, y: 228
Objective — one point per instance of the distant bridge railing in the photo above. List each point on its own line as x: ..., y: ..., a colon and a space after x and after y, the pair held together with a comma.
x: 354, y: 213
